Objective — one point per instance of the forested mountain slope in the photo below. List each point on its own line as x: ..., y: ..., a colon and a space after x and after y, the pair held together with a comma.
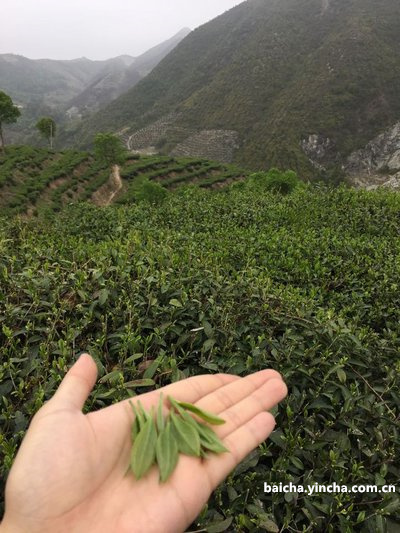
x: 69, y: 90
x: 289, y: 80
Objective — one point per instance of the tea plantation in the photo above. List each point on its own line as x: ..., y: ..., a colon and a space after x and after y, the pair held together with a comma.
x: 234, y: 280
x: 33, y: 180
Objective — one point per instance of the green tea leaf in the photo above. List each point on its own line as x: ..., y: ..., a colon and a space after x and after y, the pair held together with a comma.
x: 187, y: 437
x: 219, y: 527
x: 204, y: 415
x: 166, y: 452
x: 144, y: 449
x: 174, y: 302
x: 136, y: 424
x: 209, y: 440
x: 176, y: 405
x: 160, y: 415
x: 139, y: 414
x: 143, y: 415
x: 139, y: 383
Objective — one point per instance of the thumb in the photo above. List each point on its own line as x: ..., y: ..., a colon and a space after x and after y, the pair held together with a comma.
x: 77, y: 384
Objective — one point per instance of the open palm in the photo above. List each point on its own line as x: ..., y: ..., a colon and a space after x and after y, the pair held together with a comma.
x: 70, y: 474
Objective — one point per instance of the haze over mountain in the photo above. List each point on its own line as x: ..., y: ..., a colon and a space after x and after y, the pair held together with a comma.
x: 70, y: 89
x: 293, y: 83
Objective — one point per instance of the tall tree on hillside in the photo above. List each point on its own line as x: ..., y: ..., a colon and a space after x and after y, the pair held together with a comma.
x: 47, y: 128
x: 9, y: 113
x: 109, y: 149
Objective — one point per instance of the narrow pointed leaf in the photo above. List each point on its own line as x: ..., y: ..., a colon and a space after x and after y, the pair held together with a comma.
x: 166, y: 452
x: 209, y: 440
x: 187, y: 437
x: 160, y: 415
x: 186, y: 416
x: 175, y: 404
x: 135, y: 425
x: 204, y: 415
x: 141, y: 415
x: 214, y: 447
x: 144, y: 449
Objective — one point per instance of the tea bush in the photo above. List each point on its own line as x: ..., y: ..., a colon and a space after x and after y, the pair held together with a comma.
x: 234, y: 281
x: 277, y: 181
x: 149, y: 191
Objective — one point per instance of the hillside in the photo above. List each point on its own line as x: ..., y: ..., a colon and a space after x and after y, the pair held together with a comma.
x: 35, y: 179
x: 298, y: 84
x: 46, y: 81
x: 234, y: 282
x: 68, y: 90
x: 118, y: 77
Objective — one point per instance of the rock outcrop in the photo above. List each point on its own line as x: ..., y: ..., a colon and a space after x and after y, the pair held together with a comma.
x: 320, y: 150
x: 378, y: 163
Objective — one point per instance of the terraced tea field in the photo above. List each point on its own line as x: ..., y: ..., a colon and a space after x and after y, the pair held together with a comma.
x: 33, y: 179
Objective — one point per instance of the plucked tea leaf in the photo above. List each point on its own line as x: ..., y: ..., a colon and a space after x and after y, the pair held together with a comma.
x: 186, y: 416
x: 187, y: 437
x: 210, y: 440
x: 136, y: 424
x: 160, y: 416
x: 144, y: 449
x: 143, y: 415
x: 204, y: 415
x: 166, y: 452
x: 176, y: 405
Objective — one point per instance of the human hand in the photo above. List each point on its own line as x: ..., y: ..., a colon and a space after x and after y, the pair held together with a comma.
x: 70, y: 474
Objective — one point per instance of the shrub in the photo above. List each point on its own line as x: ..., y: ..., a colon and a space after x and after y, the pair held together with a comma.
x: 150, y: 191
x: 276, y: 181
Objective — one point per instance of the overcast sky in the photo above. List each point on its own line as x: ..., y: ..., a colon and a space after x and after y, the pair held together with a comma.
x: 98, y: 29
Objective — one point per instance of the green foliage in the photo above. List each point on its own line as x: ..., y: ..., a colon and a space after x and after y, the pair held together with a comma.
x: 149, y: 191
x: 31, y: 178
x: 276, y: 181
x: 109, y: 149
x: 47, y: 128
x: 34, y: 179
x: 9, y: 113
x: 235, y: 282
x: 159, y: 441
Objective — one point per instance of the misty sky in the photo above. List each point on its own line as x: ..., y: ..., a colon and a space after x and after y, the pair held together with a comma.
x: 98, y: 29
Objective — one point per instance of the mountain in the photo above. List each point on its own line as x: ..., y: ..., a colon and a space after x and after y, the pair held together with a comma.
x: 68, y: 90
x: 115, y: 78
x: 119, y: 76
x: 145, y: 63
x: 48, y: 81
x: 290, y: 83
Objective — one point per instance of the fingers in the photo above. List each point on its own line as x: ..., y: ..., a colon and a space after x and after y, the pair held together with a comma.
x: 262, y: 399
x: 77, y: 384
x: 239, y: 443
x: 232, y: 393
x: 189, y: 390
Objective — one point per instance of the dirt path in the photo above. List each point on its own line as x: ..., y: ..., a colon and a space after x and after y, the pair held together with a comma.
x: 107, y: 192
x: 116, y: 176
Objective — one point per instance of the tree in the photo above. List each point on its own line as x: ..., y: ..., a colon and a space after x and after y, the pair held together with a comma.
x: 47, y: 128
x: 109, y: 149
x: 9, y: 114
